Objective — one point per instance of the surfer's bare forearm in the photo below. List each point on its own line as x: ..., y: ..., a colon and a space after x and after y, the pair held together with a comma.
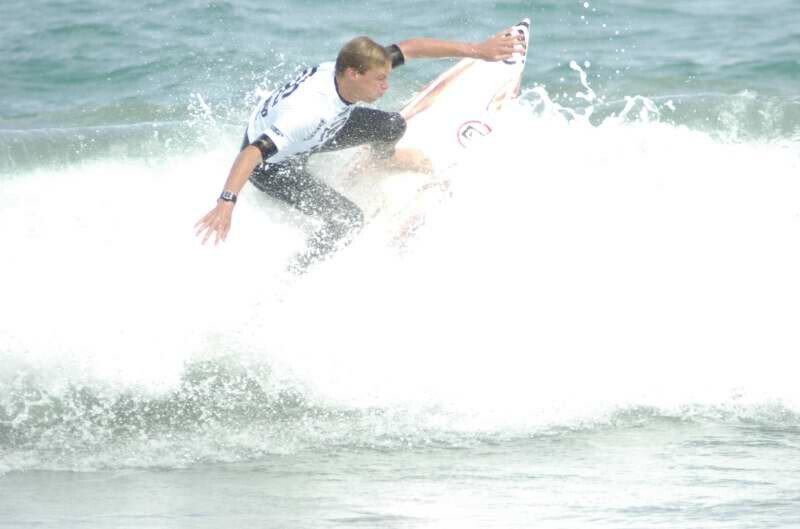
x: 497, y: 48
x: 217, y: 222
x: 425, y: 48
x: 242, y: 167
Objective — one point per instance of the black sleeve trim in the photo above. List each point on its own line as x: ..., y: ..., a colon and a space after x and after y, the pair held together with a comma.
x: 266, y: 146
x: 396, y: 55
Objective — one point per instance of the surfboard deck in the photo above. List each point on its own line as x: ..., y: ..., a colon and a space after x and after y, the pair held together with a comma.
x: 446, y: 120
x: 455, y: 109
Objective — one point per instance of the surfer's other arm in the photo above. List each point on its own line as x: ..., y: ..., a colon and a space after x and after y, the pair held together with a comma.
x: 496, y: 48
x: 218, y: 221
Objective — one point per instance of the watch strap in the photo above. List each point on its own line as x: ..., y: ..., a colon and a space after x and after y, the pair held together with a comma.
x: 228, y: 196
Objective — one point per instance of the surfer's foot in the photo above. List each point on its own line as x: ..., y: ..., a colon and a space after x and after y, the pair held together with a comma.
x: 410, y: 160
x: 401, y: 160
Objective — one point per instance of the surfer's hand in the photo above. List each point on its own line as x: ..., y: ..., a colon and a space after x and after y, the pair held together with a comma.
x: 216, y: 222
x: 500, y: 47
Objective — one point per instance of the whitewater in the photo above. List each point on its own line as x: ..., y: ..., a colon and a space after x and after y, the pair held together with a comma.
x: 572, y: 270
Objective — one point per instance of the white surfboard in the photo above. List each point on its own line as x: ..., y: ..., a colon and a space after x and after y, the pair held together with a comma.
x: 455, y: 110
x: 446, y: 119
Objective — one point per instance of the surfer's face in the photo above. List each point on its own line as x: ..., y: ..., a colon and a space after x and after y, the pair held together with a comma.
x: 372, y: 84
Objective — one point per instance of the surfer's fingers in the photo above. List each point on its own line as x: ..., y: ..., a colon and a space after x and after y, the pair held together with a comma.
x: 209, y: 226
x: 212, y: 227
x: 225, y: 227
x: 221, y: 230
x: 204, y: 219
x: 517, y: 38
x: 498, y: 48
x: 510, y: 42
x: 207, y: 221
x: 205, y: 225
x: 208, y: 232
x: 200, y: 227
x: 510, y: 33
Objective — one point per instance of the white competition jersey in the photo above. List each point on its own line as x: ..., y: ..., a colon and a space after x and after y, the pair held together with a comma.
x: 302, y: 115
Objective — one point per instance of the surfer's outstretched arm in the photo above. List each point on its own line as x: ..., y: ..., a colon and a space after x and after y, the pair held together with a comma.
x: 218, y: 220
x: 496, y: 48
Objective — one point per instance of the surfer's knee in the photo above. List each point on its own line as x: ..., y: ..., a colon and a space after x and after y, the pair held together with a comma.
x: 395, y: 127
x: 392, y: 130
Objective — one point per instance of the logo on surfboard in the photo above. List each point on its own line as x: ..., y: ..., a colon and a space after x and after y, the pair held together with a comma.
x: 472, y: 130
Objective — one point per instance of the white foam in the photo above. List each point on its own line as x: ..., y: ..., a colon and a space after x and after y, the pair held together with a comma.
x: 576, y: 268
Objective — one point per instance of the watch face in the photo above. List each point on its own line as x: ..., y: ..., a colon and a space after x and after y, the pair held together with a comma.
x: 227, y: 195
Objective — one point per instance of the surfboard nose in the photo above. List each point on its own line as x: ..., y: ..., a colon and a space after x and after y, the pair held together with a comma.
x: 522, y: 27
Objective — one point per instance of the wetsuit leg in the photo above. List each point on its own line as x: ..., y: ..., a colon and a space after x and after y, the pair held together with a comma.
x: 380, y: 129
x: 291, y: 183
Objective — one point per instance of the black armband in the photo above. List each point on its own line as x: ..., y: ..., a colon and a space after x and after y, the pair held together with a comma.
x: 396, y: 54
x: 266, y: 146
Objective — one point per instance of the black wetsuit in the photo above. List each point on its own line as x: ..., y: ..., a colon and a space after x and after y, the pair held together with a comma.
x: 290, y: 181
x: 307, y: 116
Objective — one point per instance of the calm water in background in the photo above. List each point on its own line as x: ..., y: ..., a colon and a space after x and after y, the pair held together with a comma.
x: 598, y: 329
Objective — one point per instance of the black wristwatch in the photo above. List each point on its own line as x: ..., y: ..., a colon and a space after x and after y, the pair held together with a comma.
x: 228, y: 196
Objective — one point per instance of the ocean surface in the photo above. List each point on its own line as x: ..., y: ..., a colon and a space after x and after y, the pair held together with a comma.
x: 600, y: 327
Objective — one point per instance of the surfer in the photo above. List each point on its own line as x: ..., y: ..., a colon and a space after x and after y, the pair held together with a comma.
x: 317, y: 112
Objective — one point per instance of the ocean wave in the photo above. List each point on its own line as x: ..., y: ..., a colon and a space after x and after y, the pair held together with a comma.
x: 222, y: 412
x: 225, y: 416
x: 588, y: 269
x: 77, y: 415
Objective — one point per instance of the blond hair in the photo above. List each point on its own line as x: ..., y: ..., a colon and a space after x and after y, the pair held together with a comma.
x: 362, y: 54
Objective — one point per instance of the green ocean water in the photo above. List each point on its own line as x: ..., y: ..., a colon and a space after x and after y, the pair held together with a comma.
x: 597, y: 328
x: 109, y: 63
